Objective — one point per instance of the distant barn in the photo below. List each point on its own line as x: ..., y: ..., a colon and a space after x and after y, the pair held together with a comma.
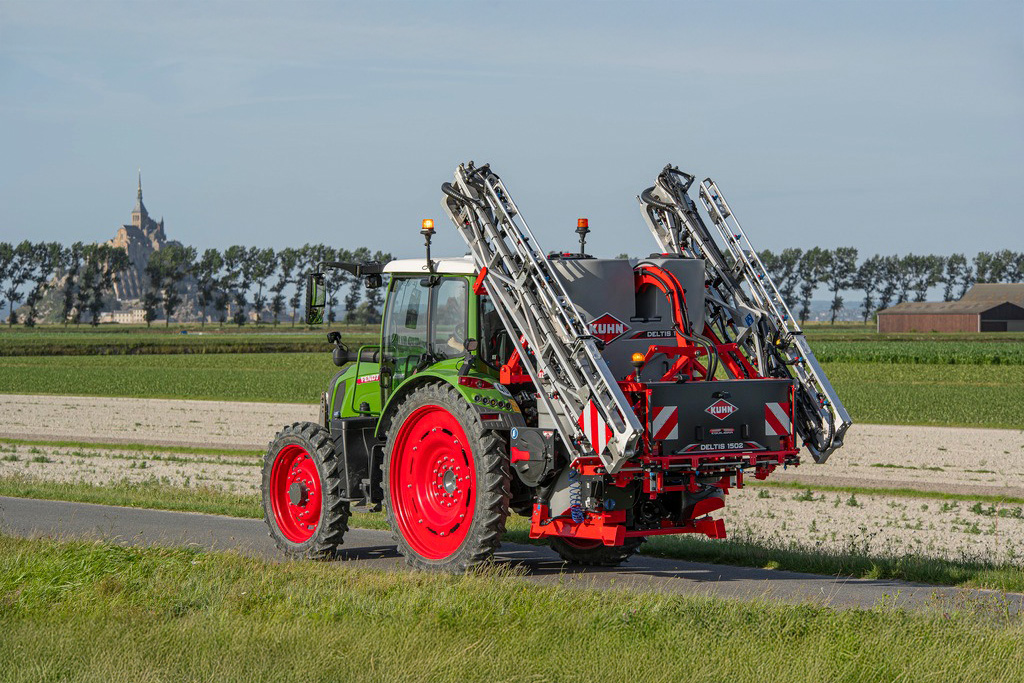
x: 985, y: 308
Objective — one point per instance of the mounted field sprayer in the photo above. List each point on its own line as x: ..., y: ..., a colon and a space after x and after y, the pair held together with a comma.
x: 605, y: 400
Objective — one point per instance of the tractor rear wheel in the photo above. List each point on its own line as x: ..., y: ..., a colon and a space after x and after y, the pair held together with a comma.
x: 301, y: 492
x: 594, y: 553
x: 446, y: 481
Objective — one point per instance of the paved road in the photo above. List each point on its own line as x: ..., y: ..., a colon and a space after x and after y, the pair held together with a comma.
x: 371, y: 548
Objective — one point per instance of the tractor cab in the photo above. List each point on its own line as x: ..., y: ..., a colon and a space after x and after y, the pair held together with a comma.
x: 435, y: 323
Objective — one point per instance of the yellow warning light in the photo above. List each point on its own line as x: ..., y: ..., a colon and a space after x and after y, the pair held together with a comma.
x: 428, y: 223
x: 638, y: 357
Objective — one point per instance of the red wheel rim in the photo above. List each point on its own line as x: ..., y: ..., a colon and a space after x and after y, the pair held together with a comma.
x: 295, y: 493
x: 432, y: 482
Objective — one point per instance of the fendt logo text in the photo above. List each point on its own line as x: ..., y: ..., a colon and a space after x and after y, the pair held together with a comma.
x: 608, y: 328
x: 721, y: 409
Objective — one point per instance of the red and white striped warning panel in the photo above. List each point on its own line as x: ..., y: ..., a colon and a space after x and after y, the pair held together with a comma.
x: 595, y: 428
x: 776, y: 419
x: 665, y: 422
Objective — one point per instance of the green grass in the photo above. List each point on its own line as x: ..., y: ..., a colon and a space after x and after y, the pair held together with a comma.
x: 883, y: 393
x: 276, y: 377
x: 948, y: 352
x: 152, y: 494
x: 135, y: 340
x: 953, y: 395
x: 966, y: 573
x: 156, y: 614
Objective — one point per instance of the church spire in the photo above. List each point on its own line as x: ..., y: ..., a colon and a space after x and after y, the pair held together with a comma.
x: 139, y: 213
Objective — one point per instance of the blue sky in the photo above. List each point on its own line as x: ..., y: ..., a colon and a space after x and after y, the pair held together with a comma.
x: 893, y: 127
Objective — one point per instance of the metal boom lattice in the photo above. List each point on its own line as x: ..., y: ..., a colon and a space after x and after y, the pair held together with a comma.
x: 553, y: 341
x: 743, y: 304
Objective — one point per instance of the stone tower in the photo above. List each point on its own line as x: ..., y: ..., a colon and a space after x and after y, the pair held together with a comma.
x: 139, y: 239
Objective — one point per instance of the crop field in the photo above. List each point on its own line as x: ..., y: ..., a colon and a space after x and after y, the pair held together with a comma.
x: 1008, y: 352
x: 132, y: 340
x: 955, y: 395
x: 276, y: 377
x: 842, y: 343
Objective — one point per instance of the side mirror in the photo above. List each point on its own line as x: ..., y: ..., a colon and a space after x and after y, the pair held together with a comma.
x: 316, y: 298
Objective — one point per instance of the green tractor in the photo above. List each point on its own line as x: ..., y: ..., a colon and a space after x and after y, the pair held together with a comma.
x: 429, y: 416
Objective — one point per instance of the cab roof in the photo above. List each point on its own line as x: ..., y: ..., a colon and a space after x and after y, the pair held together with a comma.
x: 445, y: 265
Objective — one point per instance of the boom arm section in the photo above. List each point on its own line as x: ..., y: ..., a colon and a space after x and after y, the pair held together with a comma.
x: 553, y: 341
x: 743, y: 303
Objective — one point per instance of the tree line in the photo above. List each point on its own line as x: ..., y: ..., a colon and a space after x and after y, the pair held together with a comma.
x: 239, y: 281
x: 883, y: 281
x: 233, y: 283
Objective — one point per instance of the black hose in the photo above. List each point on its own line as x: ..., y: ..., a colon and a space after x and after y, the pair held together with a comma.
x: 450, y: 190
x: 687, y: 334
x: 648, y: 197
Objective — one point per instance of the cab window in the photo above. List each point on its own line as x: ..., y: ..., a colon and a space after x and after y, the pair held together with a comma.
x: 405, y: 326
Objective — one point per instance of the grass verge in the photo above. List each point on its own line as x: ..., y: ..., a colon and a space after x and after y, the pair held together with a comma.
x: 158, y: 614
x: 965, y: 573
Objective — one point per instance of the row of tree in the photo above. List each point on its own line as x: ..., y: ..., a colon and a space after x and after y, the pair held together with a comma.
x: 238, y: 283
x: 883, y: 280
x: 248, y: 280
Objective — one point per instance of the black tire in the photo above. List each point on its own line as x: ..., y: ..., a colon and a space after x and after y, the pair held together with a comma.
x: 599, y: 555
x: 488, y: 457
x: 330, y: 528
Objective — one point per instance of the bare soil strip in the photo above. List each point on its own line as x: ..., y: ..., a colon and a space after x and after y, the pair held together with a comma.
x: 160, y: 422
x: 945, y: 459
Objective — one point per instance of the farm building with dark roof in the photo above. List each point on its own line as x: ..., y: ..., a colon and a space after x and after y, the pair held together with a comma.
x: 985, y: 308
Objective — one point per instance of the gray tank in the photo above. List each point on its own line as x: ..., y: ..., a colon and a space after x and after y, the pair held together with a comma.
x: 626, y: 322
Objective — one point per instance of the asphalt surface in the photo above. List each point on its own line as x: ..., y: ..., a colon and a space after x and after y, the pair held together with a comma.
x: 33, y: 518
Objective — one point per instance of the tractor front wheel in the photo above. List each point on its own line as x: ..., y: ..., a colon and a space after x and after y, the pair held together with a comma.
x: 301, y: 492
x: 594, y: 553
x: 446, y: 481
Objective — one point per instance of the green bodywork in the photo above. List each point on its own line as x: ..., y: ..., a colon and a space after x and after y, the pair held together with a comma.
x: 359, y: 382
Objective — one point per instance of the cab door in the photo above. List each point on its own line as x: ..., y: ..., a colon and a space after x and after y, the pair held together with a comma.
x: 405, y: 329
x: 425, y: 323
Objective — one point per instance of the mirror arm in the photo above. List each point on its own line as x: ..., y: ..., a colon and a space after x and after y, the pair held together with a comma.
x: 358, y: 269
